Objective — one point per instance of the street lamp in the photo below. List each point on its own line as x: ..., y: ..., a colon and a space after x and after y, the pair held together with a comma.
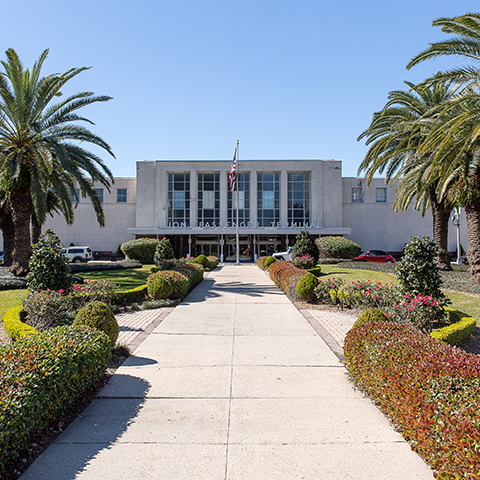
x: 456, y: 221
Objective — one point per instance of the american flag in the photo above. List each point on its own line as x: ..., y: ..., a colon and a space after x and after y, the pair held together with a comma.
x: 233, y: 172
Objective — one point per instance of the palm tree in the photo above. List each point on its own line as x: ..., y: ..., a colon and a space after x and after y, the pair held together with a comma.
x: 395, y: 136
x: 40, y: 149
x: 456, y: 141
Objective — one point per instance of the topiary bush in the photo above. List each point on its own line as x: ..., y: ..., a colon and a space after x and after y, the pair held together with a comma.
x: 202, y: 260
x: 158, y: 286
x: 417, y: 273
x: 48, y: 266
x: 370, y: 315
x: 317, y: 271
x: 305, y: 288
x: 268, y: 261
x: 305, y: 245
x: 427, y: 388
x: 212, y: 262
x: 338, y: 247
x: 179, y: 282
x: 98, y: 315
x: 41, y: 376
x: 141, y: 249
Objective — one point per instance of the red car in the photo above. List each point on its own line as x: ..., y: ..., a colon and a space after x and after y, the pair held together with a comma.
x: 376, y: 256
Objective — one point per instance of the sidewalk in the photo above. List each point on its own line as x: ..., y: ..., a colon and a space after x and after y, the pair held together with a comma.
x: 233, y: 384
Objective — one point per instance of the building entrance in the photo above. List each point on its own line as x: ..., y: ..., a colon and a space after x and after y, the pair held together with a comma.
x: 246, y: 252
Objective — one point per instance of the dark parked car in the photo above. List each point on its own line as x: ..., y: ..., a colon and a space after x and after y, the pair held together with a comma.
x: 376, y: 256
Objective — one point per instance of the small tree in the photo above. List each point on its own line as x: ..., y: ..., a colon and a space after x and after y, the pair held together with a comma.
x: 164, y: 254
x: 48, y: 266
x: 417, y: 272
x: 305, y: 245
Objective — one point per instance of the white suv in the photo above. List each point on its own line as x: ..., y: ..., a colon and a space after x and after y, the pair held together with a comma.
x: 78, y: 254
x: 284, y: 255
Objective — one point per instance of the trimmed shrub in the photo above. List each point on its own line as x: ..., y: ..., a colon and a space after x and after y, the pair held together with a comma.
x: 42, y: 375
x: 369, y: 316
x: 338, y: 247
x: 141, y: 249
x: 158, y: 286
x: 212, y: 262
x: 137, y: 294
x: 462, y: 326
x: 427, y: 388
x: 317, y: 271
x: 14, y: 325
x: 202, y: 260
x: 164, y: 251
x: 179, y: 282
x: 98, y: 315
x: 305, y: 245
x: 305, y: 288
x: 193, y: 271
x: 261, y: 262
x: 48, y: 266
x: 286, y: 276
x: 269, y: 260
x: 418, y: 273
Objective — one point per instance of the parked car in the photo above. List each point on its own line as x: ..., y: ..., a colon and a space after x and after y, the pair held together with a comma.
x: 78, y: 254
x: 284, y: 255
x: 376, y: 256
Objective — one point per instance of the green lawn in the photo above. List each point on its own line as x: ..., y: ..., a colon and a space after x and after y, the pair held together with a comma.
x: 125, y: 279
x: 10, y: 299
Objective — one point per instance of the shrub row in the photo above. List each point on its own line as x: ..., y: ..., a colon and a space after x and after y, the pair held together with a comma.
x: 137, y: 294
x: 40, y: 376
x: 428, y: 388
x: 261, y: 263
x: 174, y: 284
x: 286, y: 276
x: 457, y: 332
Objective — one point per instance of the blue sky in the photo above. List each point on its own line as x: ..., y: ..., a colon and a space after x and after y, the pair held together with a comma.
x: 289, y: 79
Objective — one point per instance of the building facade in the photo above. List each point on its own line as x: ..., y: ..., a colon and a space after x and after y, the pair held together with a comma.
x: 190, y: 203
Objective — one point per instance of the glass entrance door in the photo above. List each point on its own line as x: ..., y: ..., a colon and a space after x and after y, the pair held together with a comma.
x: 246, y: 252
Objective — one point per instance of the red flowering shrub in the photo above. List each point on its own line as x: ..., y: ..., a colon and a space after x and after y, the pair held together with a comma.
x: 428, y: 389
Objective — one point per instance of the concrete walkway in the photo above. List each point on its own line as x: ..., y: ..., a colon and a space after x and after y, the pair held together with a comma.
x: 233, y: 384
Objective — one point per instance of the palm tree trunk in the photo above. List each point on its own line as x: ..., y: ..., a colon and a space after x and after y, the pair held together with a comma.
x: 36, y: 229
x: 6, y: 225
x: 472, y: 211
x: 21, y: 203
x: 441, y: 216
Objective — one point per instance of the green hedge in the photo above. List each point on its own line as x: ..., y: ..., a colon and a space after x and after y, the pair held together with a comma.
x: 137, y: 294
x: 261, y: 262
x: 15, y: 328
x: 457, y: 332
x: 427, y: 388
x: 287, y: 276
x: 40, y: 376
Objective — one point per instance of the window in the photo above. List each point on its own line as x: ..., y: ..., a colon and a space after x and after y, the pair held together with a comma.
x: 268, y: 198
x: 178, y: 199
x: 357, y: 195
x: 298, y: 203
x: 208, y: 199
x: 99, y: 193
x: 381, y: 195
x: 243, y: 180
x: 121, y: 195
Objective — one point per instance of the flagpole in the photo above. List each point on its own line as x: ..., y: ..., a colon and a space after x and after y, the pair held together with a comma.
x: 237, y: 181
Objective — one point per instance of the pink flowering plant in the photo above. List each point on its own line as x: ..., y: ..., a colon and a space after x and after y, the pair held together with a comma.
x: 91, y: 291
x: 371, y: 295
x: 327, y: 291
x: 45, y: 309
x: 422, y: 312
x: 305, y: 262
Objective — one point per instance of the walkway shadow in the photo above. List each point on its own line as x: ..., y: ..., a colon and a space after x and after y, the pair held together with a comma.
x: 209, y: 289
x: 96, y: 429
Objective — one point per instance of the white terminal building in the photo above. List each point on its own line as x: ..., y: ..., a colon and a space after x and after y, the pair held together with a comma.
x: 190, y: 202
